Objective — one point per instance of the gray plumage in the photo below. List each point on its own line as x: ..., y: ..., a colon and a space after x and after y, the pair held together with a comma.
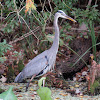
x: 45, y: 61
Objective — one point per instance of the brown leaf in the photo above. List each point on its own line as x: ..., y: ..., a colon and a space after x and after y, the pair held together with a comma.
x: 94, y: 72
x: 3, y: 79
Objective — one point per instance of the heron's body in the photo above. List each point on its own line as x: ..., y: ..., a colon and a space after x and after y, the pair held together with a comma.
x: 45, y: 61
x: 38, y: 66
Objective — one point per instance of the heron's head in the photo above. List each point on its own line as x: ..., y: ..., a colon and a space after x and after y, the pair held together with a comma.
x: 62, y: 14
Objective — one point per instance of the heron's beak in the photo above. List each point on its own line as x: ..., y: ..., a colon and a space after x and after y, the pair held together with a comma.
x: 69, y: 18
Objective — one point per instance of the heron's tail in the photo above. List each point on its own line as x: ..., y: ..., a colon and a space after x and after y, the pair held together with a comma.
x: 19, y: 78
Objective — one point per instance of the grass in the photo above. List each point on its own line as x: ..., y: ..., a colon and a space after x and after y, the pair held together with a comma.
x: 93, y: 37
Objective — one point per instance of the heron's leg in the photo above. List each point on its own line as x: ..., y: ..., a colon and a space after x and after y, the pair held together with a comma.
x: 44, y: 80
x: 29, y: 83
x: 45, y: 76
x: 43, y: 83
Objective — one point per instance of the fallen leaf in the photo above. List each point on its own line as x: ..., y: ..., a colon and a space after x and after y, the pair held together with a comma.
x: 63, y: 94
x: 3, y: 79
x: 76, y: 85
x: 20, y: 95
x: 32, y: 95
x: 31, y: 89
x: 20, y: 87
x: 93, y: 71
x: 57, y: 98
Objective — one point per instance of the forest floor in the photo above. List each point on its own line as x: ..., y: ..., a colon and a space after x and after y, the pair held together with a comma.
x: 31, y: 94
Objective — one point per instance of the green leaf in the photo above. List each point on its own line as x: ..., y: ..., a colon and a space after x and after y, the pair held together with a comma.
x: 94, y: 86
x: 50, y: 37
x: 44, y: 93
x: 4, y: 47
x: 69, y: 37
x: 8, y: 95
x: 61, y: 42
x: 95, y: 6
x: 4, y: 41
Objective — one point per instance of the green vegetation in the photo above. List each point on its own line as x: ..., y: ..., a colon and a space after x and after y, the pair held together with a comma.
x: 65, y: 5
x: 8, y: 95
x: 93, y: 37
x: 43, y: 92
x: 20, y: 65
x: 43, y: 18
x: 3, y: 49
x: 91, y: 14
x: 94, y: 86
x: 15, y: 16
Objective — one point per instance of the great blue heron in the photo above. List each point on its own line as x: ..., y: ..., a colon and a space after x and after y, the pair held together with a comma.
x: 45, y: 61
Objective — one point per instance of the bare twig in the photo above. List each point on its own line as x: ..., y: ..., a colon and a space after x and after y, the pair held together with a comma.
x: 29, y: 29
x: 16, y: 10
x: 43, y: 5
x: 37, y: 18
x: 25, y: 35
x: 50, y: 5
x: 21, y: 2
x: 2, y: 7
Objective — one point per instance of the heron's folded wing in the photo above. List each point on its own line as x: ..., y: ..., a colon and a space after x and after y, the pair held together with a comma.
x: 35, y: 67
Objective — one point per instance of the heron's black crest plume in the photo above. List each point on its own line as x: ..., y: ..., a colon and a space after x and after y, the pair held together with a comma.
x: 60, y: 11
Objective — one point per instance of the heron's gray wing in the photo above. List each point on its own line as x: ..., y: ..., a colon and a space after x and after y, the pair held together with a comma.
x: 36, y: 65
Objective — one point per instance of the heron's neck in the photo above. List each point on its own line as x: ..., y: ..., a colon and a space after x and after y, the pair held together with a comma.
x: 55, y: 44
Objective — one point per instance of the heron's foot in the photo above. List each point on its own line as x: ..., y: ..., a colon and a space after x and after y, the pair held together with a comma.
x: 27, y: 86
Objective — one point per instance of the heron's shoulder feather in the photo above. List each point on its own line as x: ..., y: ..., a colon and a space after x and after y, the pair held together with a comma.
x: 36, y: 64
